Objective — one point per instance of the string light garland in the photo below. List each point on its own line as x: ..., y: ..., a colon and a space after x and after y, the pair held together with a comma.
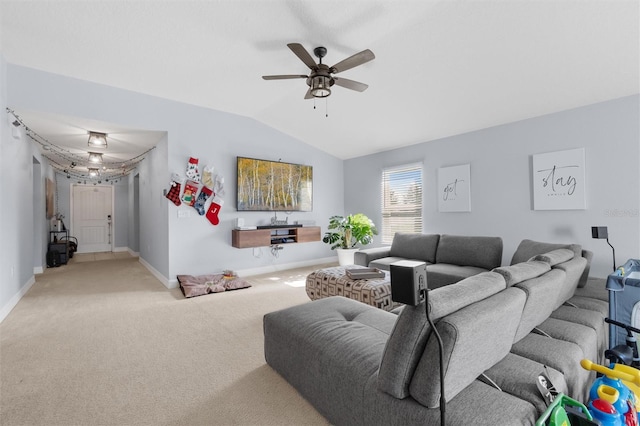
x: 109, y: 171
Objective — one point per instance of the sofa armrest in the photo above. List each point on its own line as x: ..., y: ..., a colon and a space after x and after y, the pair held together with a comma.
x: 366, y: 256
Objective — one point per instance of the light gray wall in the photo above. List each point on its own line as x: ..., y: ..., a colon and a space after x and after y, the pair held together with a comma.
x: 25, y: 232
x: 189, y: 245
x: 501, y: 200
x: 121, y: 214
x: 133, y: 240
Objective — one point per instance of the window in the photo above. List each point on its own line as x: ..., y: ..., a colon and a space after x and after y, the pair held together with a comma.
x: 401, y: 200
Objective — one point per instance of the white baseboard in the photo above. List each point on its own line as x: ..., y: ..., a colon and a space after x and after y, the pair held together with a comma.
x: 133, y: 253
x: 6, y: 309
x: 244, y: 272
x: 285, y: 266
x: 38, y: 270
x: 167, y: 283
x: 116, y: 249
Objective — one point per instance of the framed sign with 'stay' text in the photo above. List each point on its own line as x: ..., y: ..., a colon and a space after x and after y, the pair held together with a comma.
x: 559, y: 180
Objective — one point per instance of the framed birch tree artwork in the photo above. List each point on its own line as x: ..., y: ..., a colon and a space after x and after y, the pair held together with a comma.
x: 559, y: 180
x: 454, y: 189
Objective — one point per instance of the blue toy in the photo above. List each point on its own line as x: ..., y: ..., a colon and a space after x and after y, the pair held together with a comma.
x: 610, y: 399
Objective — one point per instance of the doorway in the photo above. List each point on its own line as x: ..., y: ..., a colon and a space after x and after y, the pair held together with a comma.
x: 92, y: 217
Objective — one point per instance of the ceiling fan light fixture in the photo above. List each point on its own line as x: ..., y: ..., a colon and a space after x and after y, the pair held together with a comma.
x: 320, y: 86
x: 95, y: 157
x: 97, y: 140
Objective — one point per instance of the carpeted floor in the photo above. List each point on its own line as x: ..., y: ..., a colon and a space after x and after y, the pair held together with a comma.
x: 105, y: 343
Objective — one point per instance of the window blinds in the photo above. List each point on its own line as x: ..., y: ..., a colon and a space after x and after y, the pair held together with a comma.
x: 401, y: 200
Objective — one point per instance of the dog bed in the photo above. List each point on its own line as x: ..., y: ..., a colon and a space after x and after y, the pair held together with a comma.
x: 204, y: 284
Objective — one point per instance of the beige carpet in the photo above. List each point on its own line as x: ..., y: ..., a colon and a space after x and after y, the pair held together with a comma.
x: 105, y: 343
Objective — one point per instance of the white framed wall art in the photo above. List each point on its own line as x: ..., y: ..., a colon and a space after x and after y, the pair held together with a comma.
x: 559, y: 180
x: 454, y: 189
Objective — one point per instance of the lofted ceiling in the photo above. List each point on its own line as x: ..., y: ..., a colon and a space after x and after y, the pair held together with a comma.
x: 442, y: 67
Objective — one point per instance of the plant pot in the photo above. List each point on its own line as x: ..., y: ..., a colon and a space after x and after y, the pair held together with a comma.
x: 346, y: 256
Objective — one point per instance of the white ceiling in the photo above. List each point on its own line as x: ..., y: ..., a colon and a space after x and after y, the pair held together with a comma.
x: 442, y: 67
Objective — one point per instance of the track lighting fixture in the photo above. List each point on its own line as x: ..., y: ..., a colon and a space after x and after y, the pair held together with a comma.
x: 97, y: 140
x: 95, y: 157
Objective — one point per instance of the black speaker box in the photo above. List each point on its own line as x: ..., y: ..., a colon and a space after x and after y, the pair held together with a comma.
x: 599, y: 232
x: 408, y: 279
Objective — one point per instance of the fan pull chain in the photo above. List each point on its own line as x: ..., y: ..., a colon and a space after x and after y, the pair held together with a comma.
x: 314, y: 103
x: 326, y: 107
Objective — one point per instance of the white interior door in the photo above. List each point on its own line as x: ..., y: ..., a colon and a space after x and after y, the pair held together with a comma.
x: 91, y: 221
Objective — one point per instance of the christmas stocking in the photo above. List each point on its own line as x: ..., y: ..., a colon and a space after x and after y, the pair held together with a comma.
x: 174, y: 193
x: 214, y: 210
x: 202, y: 198
x: 190, y: 191
x: 208, y: 177
x: 192, y: 170
x: 218, y: 186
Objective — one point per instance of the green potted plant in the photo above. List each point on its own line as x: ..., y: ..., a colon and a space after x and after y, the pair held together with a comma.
x: 345, y: 233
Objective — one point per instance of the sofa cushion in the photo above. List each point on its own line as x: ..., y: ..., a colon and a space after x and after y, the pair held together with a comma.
x: 475, y: 338
x: 519, y: 272
x: 555, y: 257
x: 574, y: 269
x: 441, y: 274
x: 529, y: 248
x: 594, y: 288
x: 411, y: 330
x: 479, y: 404
x: 561, y: 355
x: 517, y: 375
x: 542, y: 293
x: 385, y: 262
x: 585, y: 274
x: 415, y: 246
x: 364, y: 257
x: 482, y: 252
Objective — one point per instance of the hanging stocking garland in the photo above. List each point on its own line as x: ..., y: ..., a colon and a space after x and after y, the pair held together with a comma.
x: 174, y: 193
x: 207, y: 176
x: 192, y: 170
x: 190, y: 191
x: 202, y: 199
x: 207, y: 189
x: 217, y: 201
x: 214, y: 210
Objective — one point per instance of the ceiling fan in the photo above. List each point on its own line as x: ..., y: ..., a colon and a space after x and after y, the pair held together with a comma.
x: 321, y: 77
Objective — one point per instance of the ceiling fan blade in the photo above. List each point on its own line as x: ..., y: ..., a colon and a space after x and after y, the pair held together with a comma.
x: 353, y: 61
x: 282, y: 77
x: 302, y: 53
x: 308, y: 95
x: 350, y: 84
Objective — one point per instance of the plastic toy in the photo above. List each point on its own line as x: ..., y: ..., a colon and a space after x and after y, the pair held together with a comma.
x: 610, y: 399
x: 560, y: 413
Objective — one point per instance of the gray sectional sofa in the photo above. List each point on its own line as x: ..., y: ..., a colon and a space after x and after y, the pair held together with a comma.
x: 449, y: 258
x: 358, y: 365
